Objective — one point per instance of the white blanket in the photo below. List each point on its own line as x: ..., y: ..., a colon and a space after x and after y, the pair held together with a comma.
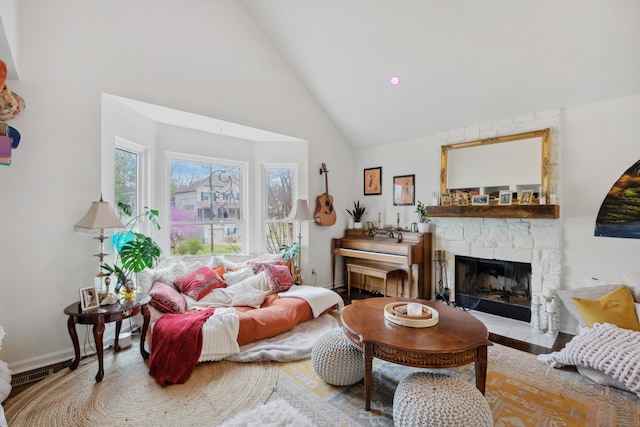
x: 219, y: 335
x: 605, y: 347
x: 320, y: 299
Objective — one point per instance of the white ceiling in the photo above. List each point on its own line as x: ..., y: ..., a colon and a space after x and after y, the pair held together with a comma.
x: 461, y: 61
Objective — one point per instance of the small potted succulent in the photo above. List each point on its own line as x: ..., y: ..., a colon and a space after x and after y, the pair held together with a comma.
x: 357, y: 213
x: 423, y: 217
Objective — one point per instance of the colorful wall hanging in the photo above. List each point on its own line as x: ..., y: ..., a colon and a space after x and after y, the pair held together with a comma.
x: 619, y: 214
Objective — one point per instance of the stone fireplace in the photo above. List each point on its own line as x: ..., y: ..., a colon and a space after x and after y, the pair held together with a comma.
x: 494, y: 286
x: 533, y: 242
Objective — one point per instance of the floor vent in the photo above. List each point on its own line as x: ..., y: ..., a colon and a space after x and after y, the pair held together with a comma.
x: 31, y: 377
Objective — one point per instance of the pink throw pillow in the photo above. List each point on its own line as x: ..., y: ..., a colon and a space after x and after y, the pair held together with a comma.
x: 197, y: 284
x: 278, y: 276
x: 166, y: 299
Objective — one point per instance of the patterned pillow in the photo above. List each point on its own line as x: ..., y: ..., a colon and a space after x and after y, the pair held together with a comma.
x: 166, y: 299
x: 199, y: 283
x: 278, y: 276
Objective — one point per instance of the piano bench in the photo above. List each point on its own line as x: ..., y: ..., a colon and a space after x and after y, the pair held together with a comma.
x: 374, y: 269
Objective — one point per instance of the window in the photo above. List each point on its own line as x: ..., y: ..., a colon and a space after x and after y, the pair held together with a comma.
x: 206, y: 215
x: 279, y: 191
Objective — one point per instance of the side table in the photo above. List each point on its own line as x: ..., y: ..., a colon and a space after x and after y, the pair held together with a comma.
x: 98, y: 317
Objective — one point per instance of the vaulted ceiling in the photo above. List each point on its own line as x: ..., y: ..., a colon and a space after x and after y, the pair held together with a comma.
x: 459, y: 61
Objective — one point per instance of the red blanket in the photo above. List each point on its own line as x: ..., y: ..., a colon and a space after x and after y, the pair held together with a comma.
x: 177, y: 343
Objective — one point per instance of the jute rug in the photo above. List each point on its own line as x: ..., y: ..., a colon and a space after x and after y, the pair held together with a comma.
x: 128, y: 396
x: 520, y: 390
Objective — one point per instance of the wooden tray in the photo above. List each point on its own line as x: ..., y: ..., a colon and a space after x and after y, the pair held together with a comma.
x: 396, y: 313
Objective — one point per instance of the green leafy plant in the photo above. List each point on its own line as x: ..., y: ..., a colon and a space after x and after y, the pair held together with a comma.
x: 421, y: 210
x: 136, y: 251
x: 358, y: 211
x: 289, y: 251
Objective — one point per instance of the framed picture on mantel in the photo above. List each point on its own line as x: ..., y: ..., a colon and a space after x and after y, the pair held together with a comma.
x: 404, y: 190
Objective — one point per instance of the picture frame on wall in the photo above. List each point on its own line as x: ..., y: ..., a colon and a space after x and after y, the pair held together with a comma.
x: 505, y: 197
x: 525, y: 197
x: 373, y: 181
x: 404, y: 190
x: 480, y: 200
x: 89, y: 298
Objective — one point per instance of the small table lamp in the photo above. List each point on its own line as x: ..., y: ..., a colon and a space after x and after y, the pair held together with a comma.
x: 100, y: 217
x: 302, y: 213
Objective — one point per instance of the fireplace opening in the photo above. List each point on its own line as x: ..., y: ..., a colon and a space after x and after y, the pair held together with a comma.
x: 493, y: 286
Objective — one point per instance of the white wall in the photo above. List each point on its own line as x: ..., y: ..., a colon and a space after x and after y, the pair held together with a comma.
x: 203, y: 57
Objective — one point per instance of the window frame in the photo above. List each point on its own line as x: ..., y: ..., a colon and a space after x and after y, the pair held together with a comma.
x: 266, y: 167
x: 244, y: 194
x: 143, y: 181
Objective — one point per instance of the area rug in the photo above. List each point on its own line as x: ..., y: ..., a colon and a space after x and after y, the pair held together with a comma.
x: 129, y: 396
x: 521, y: 392
x: 275, y: 413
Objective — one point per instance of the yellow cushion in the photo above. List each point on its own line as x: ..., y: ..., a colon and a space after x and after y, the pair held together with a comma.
x: 616, y: 307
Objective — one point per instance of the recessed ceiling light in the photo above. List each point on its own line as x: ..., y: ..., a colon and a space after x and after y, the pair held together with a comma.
x: 394, y: 80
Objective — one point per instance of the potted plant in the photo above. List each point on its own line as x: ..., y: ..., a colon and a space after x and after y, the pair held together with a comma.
x: 136, y: 251
x: 423, y: 217
x: 357, y: 213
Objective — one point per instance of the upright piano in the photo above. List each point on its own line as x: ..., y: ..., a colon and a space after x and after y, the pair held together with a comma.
x: 410, y: 251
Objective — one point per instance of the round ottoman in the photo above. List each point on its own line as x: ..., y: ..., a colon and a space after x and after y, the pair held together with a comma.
x: 427, y: 399
x: 336, y: 360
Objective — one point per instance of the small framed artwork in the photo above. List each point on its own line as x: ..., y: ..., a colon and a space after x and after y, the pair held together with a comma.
x: 89, y: 298
x: 462, y: 199
x: 373, y: 181
x: 445, y: 199
x: 526, y: 196
x: 480, y: 200
x: 505, y: 197
x: 404, y: 190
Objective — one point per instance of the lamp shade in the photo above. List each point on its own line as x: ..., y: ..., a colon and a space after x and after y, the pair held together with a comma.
x: 99, y: 217
x: 302, y: 212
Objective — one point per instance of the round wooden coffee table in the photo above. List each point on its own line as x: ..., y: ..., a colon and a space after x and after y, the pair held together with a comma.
x: 457, y: 339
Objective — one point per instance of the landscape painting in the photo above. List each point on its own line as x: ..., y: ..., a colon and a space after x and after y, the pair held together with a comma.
x: 619, y: 214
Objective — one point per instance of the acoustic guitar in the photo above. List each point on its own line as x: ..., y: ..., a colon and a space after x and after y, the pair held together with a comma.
x: 325, y: 214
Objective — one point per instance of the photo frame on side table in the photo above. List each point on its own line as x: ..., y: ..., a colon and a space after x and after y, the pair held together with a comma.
x: 526, y: 196
x: 373, y: 181
x: 404, y: 190
x: 505, y: 197
x: 89, y: 298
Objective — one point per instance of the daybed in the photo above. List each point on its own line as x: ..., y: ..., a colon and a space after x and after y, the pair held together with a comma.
x: 607, y: 346
x: 207, y: 311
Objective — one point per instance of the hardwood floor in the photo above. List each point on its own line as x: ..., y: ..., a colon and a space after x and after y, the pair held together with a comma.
x: 561, y: 340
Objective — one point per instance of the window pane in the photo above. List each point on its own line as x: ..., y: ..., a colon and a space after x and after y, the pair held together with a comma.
x: 206, y: 214
x: 279, y: 199
x: 279, y: 193
x: 126, y: 178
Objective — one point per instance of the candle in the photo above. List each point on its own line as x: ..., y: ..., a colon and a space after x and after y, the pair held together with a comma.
x: 414, y: 309
x: 548, y: 293
x: 536, y: 299
x: 551, y: 307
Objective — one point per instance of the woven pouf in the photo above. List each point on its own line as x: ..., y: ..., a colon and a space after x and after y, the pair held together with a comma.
x: 336, y: 360
x: 427, y: 399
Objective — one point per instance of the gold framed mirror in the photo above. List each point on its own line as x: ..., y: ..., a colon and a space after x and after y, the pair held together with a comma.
x: 491, y: 165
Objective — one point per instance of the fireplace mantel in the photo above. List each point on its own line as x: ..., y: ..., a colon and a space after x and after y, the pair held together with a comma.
x: 496, y: 211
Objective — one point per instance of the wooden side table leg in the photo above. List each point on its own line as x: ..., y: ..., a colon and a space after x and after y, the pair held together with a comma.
x: 71, y: 326
x: 481, y: 368
x: 116, y: 339
x: 143, y: 335
x: 98, y: 332
x: 348, y: 282
x: 368, y: 367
